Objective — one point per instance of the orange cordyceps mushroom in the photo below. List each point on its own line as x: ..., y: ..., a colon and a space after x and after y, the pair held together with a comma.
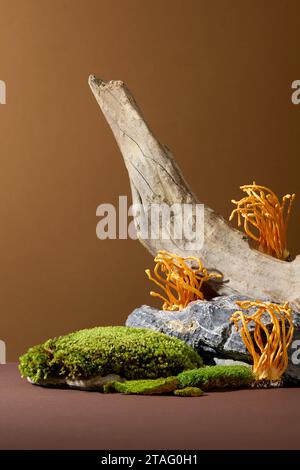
x: 265, y: 218
x: 268, y: 347
x: 181, y: 283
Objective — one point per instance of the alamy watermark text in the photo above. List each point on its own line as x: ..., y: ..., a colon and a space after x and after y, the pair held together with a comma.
x: 2, y: 92
x: 296, y: 94
x: 181, y: 222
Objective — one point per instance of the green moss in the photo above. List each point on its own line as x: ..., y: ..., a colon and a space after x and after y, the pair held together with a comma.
x: 144, y: 387
x: 188, y: 392
x: 188, y: 383
x: 217, y: 377
x: 133, y: 353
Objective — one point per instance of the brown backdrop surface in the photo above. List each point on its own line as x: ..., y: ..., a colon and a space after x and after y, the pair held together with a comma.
x: 214, y: 81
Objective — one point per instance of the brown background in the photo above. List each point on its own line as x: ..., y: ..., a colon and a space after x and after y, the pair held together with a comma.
x: 214, y: 80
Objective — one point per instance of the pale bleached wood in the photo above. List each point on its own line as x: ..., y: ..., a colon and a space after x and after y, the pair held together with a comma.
x: 155, y: 178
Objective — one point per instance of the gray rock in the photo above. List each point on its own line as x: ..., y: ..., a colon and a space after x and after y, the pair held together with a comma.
x: 92, y: 384
x: 205, y: 326
x: 230, y: 362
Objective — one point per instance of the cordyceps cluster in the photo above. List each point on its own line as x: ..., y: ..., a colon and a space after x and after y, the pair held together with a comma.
x: 180, y: 282
x: 265, y: 218
x: 267, y: 346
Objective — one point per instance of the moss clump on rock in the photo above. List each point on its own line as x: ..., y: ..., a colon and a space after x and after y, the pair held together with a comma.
x: 132, y: 353
x: 217, y: 377
x: 189, y: 383
x: 144, y: 387
x: 188, y: 392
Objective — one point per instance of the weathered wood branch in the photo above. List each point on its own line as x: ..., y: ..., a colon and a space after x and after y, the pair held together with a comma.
x: 155, y: 178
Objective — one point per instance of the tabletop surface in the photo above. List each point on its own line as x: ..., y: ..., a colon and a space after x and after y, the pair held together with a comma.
x: 33, y: 417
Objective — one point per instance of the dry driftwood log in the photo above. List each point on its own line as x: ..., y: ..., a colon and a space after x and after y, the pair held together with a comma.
x: 156, y: 178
